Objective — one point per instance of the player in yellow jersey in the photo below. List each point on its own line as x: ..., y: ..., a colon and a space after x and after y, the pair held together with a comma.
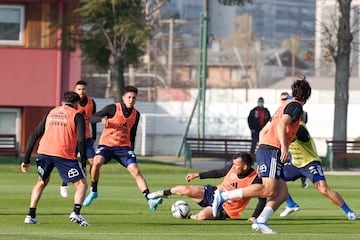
x: 305, y: 162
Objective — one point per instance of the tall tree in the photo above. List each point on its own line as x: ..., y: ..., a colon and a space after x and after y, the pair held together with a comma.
x: 337, y: 38
x: 115, y: 35
x: 342, y: 75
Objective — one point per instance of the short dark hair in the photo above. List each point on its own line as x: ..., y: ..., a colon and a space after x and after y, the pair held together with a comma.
x: 81, y: 82
x: 301, y: 89
x: 130, y: 89
x: 71, y: 97
x: 245, y: 157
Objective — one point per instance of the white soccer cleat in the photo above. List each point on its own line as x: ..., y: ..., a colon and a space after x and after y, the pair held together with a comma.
x: 262, y: 227
x: 156, y: 194
x: 78, y: 219
x: 289, y: 210
x: 30, y: 220
x: 64, y: 191
x: 218, y: 201
x: 352, y: 216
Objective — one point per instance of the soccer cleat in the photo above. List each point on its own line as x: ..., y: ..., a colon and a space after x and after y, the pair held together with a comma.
x: 193, y: 216
x: 88, y: 200
x: 75, y: 218
x: 30, y: 220
x: 64, y: 191
x: 262, y: 227
x: 352, y: 216
x: 153, y: 203
x: 218, y: 201
x: 304, y: 182
x: 157, y: 194
x: 289, y: 210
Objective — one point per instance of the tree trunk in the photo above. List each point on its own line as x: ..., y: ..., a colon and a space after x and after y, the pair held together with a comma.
x: 118, y: 81
x: 342, y: 61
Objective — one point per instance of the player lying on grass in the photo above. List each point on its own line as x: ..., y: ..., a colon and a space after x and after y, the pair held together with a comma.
x: 238, y: 174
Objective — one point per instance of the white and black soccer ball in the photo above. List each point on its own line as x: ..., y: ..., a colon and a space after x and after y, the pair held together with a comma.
x: 180, y: 209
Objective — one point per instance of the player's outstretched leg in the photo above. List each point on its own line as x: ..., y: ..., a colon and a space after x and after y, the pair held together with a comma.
x: 158, y: 194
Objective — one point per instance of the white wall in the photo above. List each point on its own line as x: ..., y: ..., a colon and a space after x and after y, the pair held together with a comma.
x: 163, y: 123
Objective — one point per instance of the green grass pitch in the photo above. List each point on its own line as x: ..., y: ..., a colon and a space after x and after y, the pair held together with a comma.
x: 121, y: 211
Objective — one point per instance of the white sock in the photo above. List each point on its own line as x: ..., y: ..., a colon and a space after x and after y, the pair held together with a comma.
x: 265, y: 215
x: 236, y: 193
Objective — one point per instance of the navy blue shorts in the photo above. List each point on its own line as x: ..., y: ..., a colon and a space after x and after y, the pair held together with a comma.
x: 269, y: 163
x: 312, y: 171
x: 208, y: 196
x: 69, y: 170
x: 209, y: 199
x: 124, y: 155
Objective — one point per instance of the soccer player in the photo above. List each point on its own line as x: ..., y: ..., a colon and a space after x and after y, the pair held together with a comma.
x: 238, y: 174
x: 305, y: 162
x: 87, y: 107
x: 283, y: 97
x: 272, y: 153
x: 118, y: 141
x: 60, y: 131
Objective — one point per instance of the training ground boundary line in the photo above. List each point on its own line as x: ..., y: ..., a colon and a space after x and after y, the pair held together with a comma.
x: 176, y: 233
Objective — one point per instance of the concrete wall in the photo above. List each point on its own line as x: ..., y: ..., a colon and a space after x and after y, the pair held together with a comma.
x: 163, y: 123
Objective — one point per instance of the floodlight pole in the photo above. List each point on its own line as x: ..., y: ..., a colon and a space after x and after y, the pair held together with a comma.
x: 202, y: 76
x: 202, y: 70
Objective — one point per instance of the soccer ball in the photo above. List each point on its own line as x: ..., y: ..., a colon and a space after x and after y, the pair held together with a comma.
x: 180, y: 209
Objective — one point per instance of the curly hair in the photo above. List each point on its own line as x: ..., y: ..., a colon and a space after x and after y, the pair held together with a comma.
x: 301, y: 89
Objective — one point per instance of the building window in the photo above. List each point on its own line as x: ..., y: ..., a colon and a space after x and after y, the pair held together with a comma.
x: 10, y: 121
x: 11, y: 24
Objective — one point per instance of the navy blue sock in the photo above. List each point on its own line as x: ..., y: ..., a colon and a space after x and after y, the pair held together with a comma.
x: 345, y: 208
x: 290, y: 202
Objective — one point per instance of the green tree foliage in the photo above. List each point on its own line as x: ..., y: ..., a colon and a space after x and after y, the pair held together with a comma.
x: 114, y: 35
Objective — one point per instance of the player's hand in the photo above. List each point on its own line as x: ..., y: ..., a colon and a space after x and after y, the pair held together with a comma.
x: 25, y: 167
x: 284, y: 154
x: 191, y: 176
x: 251, y: 219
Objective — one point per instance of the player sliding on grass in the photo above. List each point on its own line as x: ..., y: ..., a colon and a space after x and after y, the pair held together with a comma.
x: 238, y: 174
x: 272, y: 153
x: 306, y: 162
x: 117, y: 141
